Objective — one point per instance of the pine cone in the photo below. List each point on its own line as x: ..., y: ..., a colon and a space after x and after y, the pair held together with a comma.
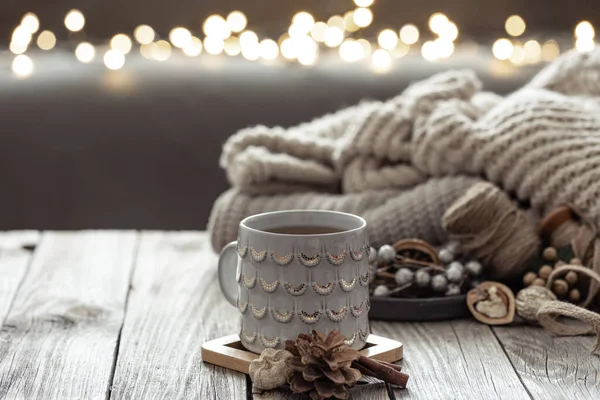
x: 322, y: 365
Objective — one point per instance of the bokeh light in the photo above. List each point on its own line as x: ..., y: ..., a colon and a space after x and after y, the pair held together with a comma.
x: 409, y: 34
x: 46, y: 40
x: 30, y: 22
x: 232, y: 47
x: 533, y: 51
x: 193, y: 48
x: 22, y: 66
x: 363, y: 17
x: 121, y: 43
x: 363, y: 3
x: 351, y: 51
x: 180, y: 37
x: 216, y: 27
x: 114, y: 59
x: 161, y: 50
x: 237, y: 21
x: 381, y: 60
x: 318, y: 31
x: 550, y: 50
x: 85, y: 52
x: 502, y: 49
x: 437, y: 22
x: 213, y: 45
x: 515, y: 25
x: 585, y: 31
x: 387, y: 39
x: 74, y: 21
x: 144, y: 34
x: 333, y: 36
x: 269, y: 49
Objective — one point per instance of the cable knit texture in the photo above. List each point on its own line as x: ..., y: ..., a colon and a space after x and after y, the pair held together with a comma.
x: 400, y: 163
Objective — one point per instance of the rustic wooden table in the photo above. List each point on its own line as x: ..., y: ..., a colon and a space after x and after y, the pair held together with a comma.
x: 122, y: 315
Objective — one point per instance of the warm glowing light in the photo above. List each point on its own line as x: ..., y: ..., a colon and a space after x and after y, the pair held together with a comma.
x: 193, y: 48
x: 248, y: 38
x: 288, y: 49
x: 213, y: 45
x: 351, y: 50
x: 336, y: 22
x: 514, y: 25
x: 147, y: 50
x: 74, y: 21
x: 121, y: 43
x: 363, y: 3
x: 161, y: 51
x: 381, y: 60
x: 180, y: 37
x: 22, y: 66
x: 585, y: 31
x: 449, y: 31
x: 365, y: 45
x: 400, y: 50
x: 17, y: 48
x: 444, y: 47
x: 502, y: 49
x: 333, y: 37
x: 251, y: 51
x: 429, y: 51
x: 349, y: 24
x: 303, y: 22
x: 21, y: 36
x: 550, y: 50
x: 387, y: 39
x: 46, y: 40
x: 437, y: 22
x: 85, y: 52
x: 306, y: 50
x: 237, y: 21
x: 30, y: 22
x: 533, y: 51
x: 518, y: 55
x: 216, y: 27
x: 144, y: 34
x: 409, y: 34
x: 232, y: 46
x: 363, y: 17
x: 585, y: 45
x: 318, y: 31
x: 114, y: 59
x: 269, y: 49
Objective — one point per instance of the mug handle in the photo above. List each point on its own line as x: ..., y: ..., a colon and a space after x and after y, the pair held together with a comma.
x: 226, y: 271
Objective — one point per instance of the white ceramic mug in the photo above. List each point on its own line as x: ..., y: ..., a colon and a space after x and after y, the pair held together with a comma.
x: 284, y: 284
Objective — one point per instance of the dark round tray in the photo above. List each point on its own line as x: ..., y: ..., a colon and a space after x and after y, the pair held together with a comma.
x: 435, y: 308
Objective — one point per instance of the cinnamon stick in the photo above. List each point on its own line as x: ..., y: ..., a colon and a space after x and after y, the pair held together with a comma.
x: 381, y: 370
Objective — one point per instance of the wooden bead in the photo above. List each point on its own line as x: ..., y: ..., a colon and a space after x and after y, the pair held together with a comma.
x: 560, y: 287
x: 545, y: 271
x: 528, y: 278
x: 571, y: 277
x: 559, y: 263
x: 549, y: 254
x: 575, y: 261
x: 574, y: 296
x: 539, y: 282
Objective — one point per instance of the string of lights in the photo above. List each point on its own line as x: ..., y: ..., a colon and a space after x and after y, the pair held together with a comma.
x: 302, y: 43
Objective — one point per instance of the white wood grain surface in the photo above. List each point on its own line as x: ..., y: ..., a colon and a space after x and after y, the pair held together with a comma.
x: 14, y: 261
x: 550, y: 366
x: 60, y: 336
x: 175, y: 304
x: 459, y: 359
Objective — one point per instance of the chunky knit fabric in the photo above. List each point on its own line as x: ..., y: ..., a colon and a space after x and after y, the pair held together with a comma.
x: 379, y: 159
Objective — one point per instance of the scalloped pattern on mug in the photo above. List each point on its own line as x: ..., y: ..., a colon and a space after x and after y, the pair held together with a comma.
x: 294, y: 290
x: 337, y: 315
x: 323, y: 290
x: 310, y: 318
x: 248, y: 338
x: 308, y: 261
x: 270, y: 343
x: 283, y: 317
x: 357, y: 255
x: 282, y: 260
x: 350, y: 341
x: 242, y: 251
x: 258, y: 313
x: 357, y: 311
x: 242, y: 307
x: 257, y: 256
x: 348, y: 286
x: 336, y: 259
x: 269, y: 287
x: 364, y: 334
x: 364, y: 278
x: 248, y: 281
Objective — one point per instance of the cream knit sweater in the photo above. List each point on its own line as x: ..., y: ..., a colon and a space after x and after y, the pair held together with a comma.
x: 400, y: 163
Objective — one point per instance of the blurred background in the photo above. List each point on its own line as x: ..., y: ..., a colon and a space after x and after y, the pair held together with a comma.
x: 114, y: 112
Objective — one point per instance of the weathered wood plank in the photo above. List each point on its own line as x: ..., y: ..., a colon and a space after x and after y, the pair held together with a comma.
x: 59, y: 339
x: 552, y: 367
x: 175, y: 304
x: 14, y: 260
x: 459, y: 359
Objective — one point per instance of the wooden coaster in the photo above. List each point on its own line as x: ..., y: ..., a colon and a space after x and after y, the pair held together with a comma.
x: 228, y: 352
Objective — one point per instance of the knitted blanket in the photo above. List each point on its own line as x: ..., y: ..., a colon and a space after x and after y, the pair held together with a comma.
x: 402, y: 162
